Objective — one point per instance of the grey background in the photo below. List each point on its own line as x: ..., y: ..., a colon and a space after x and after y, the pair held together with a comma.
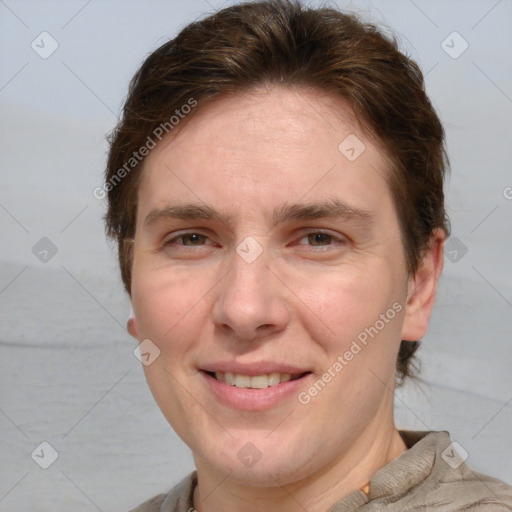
x: 68, y: 375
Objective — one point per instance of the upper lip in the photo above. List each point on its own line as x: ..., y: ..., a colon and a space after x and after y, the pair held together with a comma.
x: 252, y: 369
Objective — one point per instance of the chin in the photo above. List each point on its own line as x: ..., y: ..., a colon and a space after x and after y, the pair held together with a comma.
x: 275, y: 464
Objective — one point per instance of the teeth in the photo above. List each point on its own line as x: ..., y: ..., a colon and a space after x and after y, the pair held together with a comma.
x: 259, y: 382
x: 256, y: 382
x: 242, y: 381
x: 274, y: 379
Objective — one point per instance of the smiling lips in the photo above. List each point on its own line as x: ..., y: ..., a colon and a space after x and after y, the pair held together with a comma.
x: 256, y: 381
x: 254, y: 387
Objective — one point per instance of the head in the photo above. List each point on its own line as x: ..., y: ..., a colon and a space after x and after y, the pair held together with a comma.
x: 275, y: 188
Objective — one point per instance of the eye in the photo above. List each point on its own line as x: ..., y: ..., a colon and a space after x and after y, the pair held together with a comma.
x: 192, y: 239
x: 319, y: 239
x: 188, y: 245
x: 187, y: 240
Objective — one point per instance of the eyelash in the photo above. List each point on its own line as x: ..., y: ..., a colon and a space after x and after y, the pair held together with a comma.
x: 334, y: 239
x: 170, y: 241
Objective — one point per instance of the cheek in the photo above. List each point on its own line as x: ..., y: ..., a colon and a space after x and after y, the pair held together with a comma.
x: 166, y: 302
x: 358, y: 314
x: 364, y: 314
x: 342, y: 303
x: 170, y: 308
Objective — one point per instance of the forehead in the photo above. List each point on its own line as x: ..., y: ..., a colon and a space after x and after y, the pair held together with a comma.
x: 266, y: 147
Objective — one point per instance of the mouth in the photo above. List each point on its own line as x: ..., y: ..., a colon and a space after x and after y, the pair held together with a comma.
x: 257, y: 392
x: 263, y: 381
x: 256, y: 386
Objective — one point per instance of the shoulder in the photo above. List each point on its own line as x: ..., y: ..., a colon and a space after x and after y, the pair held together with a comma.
x: 178, y: 499
x: 152, y: 505
x: 472, y: 490
x: 452, y: 485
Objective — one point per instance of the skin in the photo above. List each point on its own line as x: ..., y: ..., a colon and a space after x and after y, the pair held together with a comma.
x: 302, y: 301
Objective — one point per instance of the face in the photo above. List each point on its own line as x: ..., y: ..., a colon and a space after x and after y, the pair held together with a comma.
x: 269, y: 272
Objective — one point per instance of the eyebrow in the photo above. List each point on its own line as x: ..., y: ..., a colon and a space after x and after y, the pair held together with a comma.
x: 327, y: 209
x: 187, y: 211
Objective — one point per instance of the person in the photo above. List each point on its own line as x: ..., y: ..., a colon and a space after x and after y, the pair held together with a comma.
x: 275, y: 189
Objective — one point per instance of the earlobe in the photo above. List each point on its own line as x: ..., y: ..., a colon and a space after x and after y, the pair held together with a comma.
x: 422, y: 289
x: 131, y: 324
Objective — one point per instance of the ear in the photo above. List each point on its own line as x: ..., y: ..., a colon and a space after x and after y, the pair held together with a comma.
x: 131, y: 324
x: 422, y: 287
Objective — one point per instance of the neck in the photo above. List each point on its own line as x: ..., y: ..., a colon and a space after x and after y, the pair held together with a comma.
x: 315, y: 493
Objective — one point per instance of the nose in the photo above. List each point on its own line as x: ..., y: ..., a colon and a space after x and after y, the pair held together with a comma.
x: 251, y: 303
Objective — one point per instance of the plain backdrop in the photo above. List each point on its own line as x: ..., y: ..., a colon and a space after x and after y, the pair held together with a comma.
x: 68, y: 375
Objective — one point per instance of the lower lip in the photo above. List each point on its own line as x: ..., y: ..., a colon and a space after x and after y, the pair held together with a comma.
x: 250, y: 399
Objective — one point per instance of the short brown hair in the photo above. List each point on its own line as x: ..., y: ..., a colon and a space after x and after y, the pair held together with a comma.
x: 284, y: 42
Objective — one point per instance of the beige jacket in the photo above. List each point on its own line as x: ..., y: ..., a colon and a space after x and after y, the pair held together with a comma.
x: 430, y: 476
